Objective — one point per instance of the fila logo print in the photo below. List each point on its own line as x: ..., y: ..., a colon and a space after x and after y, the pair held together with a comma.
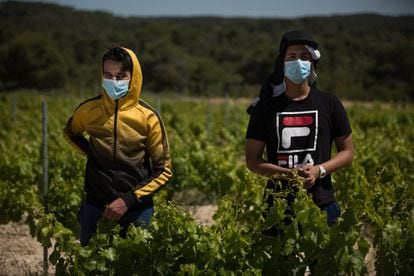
x: 297, y: 137
x: 290, y: 132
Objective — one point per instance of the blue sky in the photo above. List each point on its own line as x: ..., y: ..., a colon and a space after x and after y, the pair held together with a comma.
x: 244, y: 8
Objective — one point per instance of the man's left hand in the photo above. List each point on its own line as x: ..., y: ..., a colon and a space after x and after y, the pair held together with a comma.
x: 115, y: 210
x: 310, y: 173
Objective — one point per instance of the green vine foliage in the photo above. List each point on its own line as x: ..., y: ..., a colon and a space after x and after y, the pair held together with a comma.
x: 375, y: 194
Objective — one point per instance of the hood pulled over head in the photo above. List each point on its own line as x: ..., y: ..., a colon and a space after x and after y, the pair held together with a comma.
x: 135, y: 85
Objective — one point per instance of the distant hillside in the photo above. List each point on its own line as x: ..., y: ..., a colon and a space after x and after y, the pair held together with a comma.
x: 46, y: 46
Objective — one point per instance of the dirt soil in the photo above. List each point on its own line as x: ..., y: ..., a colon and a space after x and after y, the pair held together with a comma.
x: 20, y: 253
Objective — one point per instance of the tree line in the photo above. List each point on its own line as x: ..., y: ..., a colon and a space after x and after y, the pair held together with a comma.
x: 46, y: 46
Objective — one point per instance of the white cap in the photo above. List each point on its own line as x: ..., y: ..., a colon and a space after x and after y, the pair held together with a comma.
x: 315, y: 54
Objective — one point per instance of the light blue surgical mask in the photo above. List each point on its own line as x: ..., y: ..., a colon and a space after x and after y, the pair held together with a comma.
x: 115, y: 89
x: 297, y: 70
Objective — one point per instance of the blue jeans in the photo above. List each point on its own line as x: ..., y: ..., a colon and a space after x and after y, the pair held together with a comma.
x: 89, y: 215
x: 333, y: 211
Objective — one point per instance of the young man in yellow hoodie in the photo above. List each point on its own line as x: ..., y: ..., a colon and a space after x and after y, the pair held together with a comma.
x: 128, y: 156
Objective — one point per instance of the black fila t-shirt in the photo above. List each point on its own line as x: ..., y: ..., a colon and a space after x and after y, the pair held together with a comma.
x: 301, y: 132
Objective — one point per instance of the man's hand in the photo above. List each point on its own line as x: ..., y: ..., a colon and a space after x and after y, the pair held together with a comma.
x: 115, y: 210
x: 310, y: 174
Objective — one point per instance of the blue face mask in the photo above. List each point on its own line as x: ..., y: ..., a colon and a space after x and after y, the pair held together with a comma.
x: 297, y: 70
x: 115, y: 89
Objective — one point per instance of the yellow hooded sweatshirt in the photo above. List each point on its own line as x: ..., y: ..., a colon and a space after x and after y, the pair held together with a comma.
x: 127, y: 152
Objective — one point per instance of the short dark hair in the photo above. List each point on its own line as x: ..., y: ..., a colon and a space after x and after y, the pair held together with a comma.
x: 120, y: 55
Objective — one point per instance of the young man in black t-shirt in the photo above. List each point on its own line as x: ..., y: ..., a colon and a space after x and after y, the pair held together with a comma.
x: 297, y: 124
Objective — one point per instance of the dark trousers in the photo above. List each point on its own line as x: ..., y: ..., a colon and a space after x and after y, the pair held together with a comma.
x: 89, y: 215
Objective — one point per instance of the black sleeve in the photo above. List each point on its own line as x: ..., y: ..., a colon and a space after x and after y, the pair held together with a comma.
x: 256, y: 128
x: 340, y: 121
x: 76, y: 140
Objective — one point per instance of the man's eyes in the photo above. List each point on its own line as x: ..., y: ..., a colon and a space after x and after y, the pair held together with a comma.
x: 118, y: 76
x: 291, y: 57
x: 298, y: 56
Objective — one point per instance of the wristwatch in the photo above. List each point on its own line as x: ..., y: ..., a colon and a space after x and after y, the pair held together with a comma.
x: 322, y: 172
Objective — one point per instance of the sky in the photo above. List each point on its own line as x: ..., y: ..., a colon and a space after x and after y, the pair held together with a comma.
x: 241, y: 8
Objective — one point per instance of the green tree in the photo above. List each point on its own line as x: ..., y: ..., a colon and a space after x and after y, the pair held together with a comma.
x: 32, y: 61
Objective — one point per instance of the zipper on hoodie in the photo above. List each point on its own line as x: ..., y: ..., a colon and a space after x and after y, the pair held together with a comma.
x: 116, y: 137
